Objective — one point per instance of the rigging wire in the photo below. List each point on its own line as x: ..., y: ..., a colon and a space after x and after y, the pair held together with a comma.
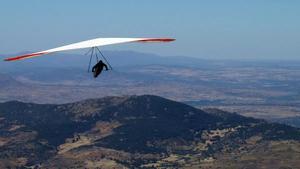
x: 94, y: 52
x: 88, y: 51
x: 91, y: 56
x: 104, y: 58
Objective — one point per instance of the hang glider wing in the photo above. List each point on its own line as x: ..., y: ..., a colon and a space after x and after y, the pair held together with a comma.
x: 88, y: 44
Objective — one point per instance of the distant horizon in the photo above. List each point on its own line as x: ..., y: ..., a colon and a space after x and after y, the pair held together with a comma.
x: 83, y: 51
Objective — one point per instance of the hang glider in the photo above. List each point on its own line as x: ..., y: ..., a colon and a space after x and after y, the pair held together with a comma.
x: 89, y: 44
x: 93, y: 44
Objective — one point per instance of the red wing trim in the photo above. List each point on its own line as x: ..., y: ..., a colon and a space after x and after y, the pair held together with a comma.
x: 157, y: 40
x: 24, y: 56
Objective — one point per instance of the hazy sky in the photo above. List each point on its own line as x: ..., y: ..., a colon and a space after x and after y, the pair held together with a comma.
x: 206, y: 29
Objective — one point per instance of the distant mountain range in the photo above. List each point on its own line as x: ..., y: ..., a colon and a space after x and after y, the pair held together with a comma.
x: 116, y: 58
x: 132, y: 58
x: 140, y: 132
x: 6, y: 80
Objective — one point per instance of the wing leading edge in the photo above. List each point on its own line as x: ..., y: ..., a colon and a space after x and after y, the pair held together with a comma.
x: 89, y: 44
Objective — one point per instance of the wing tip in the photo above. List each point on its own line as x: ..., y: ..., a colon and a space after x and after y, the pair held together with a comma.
x: 24, y: 56
x: 7, y: 59
x: 157, y: 40
x: 11, y: 59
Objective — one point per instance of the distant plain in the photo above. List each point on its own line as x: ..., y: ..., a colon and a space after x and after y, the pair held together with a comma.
x: 257, y: 88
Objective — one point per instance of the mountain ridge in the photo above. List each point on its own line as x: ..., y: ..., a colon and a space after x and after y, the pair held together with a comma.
x: 129, y: 131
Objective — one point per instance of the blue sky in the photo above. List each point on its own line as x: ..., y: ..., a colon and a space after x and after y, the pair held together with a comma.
x: 268, y: 29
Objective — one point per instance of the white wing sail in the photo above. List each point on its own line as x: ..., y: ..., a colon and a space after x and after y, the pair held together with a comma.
x: 88, y: 44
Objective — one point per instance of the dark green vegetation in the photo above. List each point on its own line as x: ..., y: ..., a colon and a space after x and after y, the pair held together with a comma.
x: 140, y: 132
x: 292, y: 121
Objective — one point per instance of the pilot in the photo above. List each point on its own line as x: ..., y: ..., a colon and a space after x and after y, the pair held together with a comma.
x: 97, y: 69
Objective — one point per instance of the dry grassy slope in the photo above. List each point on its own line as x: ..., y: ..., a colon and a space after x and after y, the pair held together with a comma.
x: 139, y: 131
